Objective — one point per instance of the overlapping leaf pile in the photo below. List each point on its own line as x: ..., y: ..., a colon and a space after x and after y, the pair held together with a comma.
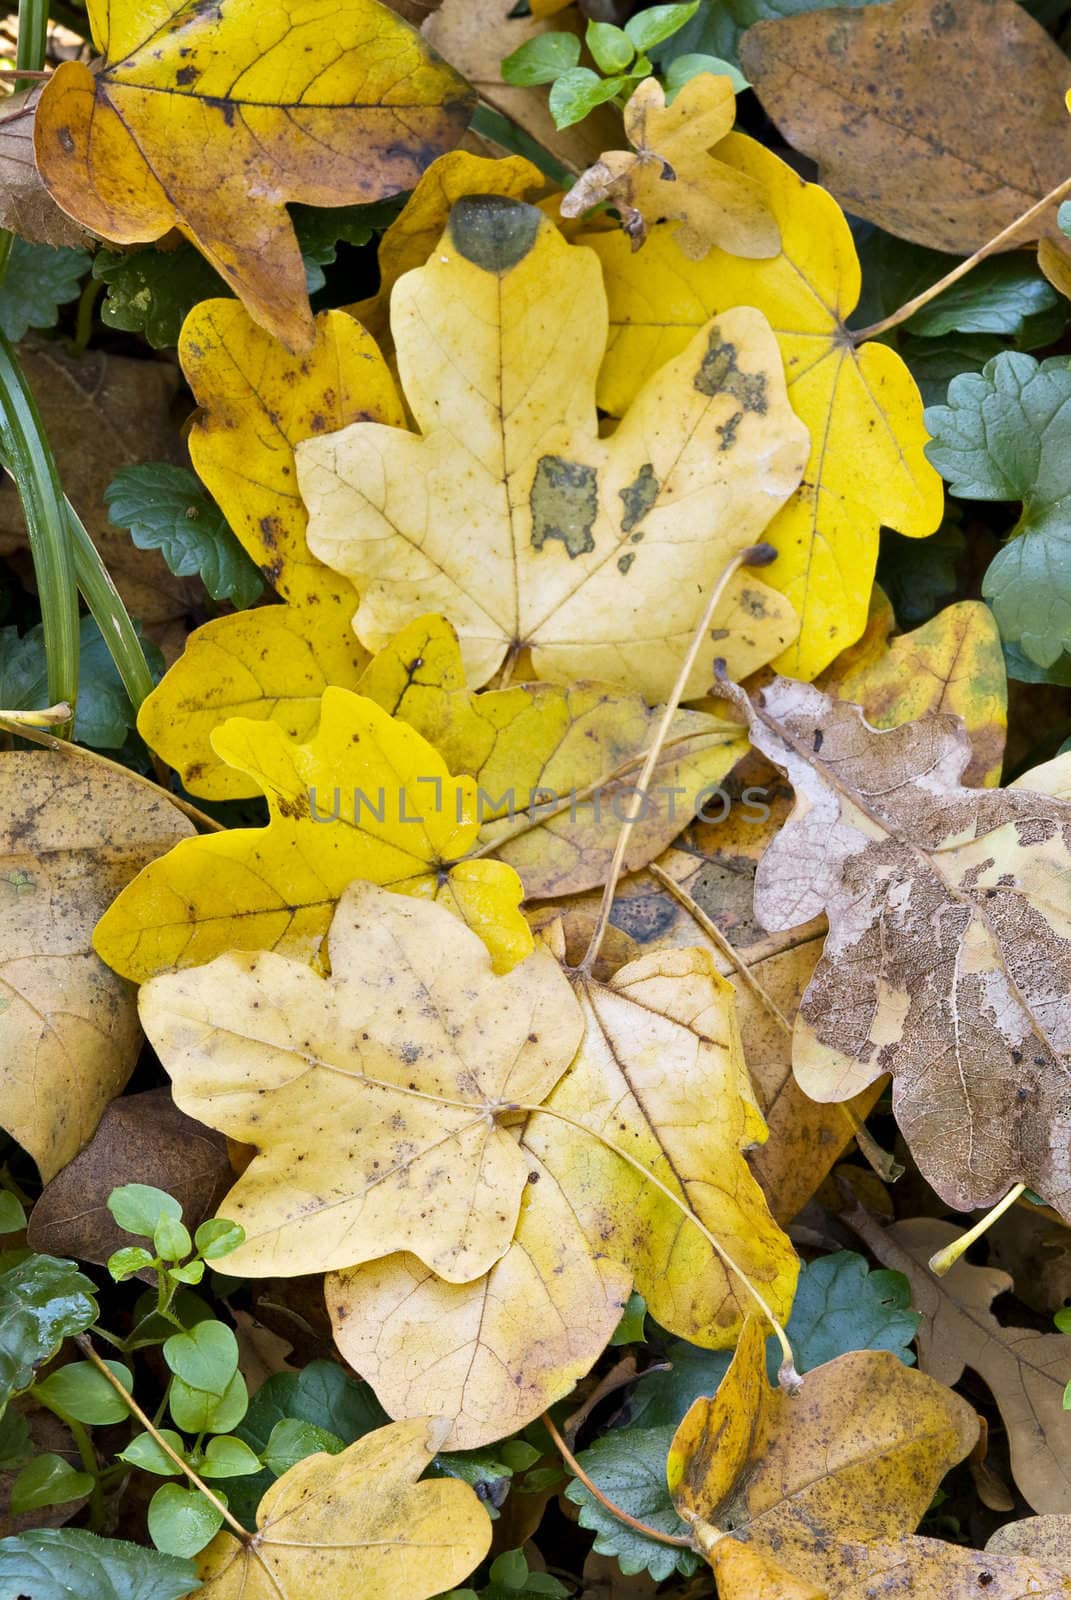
x: 537, y: 550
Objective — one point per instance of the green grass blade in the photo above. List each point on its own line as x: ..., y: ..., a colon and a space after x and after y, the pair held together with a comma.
x: 109, y: 612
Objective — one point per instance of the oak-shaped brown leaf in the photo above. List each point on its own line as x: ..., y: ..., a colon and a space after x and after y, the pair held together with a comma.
x: 1025, y: 1369
x: 948, y: 958
x: 669, y: 174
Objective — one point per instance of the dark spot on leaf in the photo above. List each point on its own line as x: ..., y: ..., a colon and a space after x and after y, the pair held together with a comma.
x: 624, y: 562
x: 639, y: 496
x: 492, y: 232
x: 565, y: 502
x: 720, y: 374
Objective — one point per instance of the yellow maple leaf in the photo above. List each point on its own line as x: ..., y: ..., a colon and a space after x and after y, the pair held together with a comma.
x: 367, y: 797
x: 660, y: 1074
x: 533, y: 744
x: 511, y: 517
x: 669, y: 174
x: 373, y: 1097
x: 799, y: 1479
x: 273, y: 663
x: 212, y: 121
x: 355, y: 1526
x: 491, y: 1356
x: 866, y: 466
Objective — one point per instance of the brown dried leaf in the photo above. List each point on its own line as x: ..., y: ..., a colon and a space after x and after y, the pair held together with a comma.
x: 26, y: 207
x: 143, y: 1138
x: 1026, y: 1370
x: 898, y: 104
x: 949, y: 954
x: 103, y: 412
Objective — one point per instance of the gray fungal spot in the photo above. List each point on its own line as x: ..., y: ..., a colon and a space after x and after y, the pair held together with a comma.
x: 565, y: 502
x: 720, y: 373
x: 492, y: 232
x: 639, y: 496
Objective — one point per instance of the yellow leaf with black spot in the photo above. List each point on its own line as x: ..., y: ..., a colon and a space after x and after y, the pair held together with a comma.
x: 510, y: 516
x: 366, y: 797
x: 211, y: 120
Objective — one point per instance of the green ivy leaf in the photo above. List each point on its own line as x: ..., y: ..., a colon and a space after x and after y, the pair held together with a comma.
x: 1005, y: 434
x: 629, y: 1466
x: 181, y: 1521
x: 1002, y: 295
x: 43, y: 1301
x: 81, y: 1391
x: 104, y: 714
x: 577, y: 92
x: 682, y: 69
x: 542, y: 59
x: 56, y: 1563
x: 1023, y: 670
x: 166, y: 509
x: 38, y: 280
x: 840, y: 1305
x: 48, y: 1480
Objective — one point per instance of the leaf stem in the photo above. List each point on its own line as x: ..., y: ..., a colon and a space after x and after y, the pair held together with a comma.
x: 908, y: 309
x: 945, y: 1259
x: 82, y: 1341
x: 787, y: 1377
x: 759, y: 555
x: 623, y: 1516
x: 48, y: 718
x: 48, y: 742
x: 88, y: 1456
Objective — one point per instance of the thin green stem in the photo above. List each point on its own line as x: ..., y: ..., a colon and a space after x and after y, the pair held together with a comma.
x: 29, y: 459
x: 88, y: 1456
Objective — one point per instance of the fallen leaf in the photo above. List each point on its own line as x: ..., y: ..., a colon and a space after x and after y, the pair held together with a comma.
x: 535, y: 743
x: 1046, y: 1538
x: 412, y: 1047
x: 26, y: 207
x: 142, y: 1138
x: 103, y: 412
x: 952, y: 663
x: 946, y: 950
x: 257, y: 401
x: 595, y: 554
x: 669, y: 174
x: 475, y: 35
x: 866, y: 466
x: 366, y: 797
x: 73, y: 833
x: 210, y: 123
x: 858, y: 91
x: 273, y: 663
x: 262, y: 1354
x: 491, y: 1355
x: 660, y: 1074
x: 856, y: 1455
x: 1025, y: 1369
x: 355, y: 1526
x: 418, y: 227
x: 270, y: 665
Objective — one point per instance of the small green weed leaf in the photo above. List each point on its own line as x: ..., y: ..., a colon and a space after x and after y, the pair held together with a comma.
x: 138, y: 1207
x: 217, y: 1238
x: 80, y: 1390
x: 228, y: 1457
x: 144, y: 1452
x: 203, y: 1411
x: 577, y: 92
x: 611, y: 47
x: 630, y: 1330
x: 16, y: 1442
x: 205, y: 1358
x: 48, y: 1480
x: 682, y: 69
x: 542, y: 59
x: 510, y: 1579
x: 12, y: 1214
x: 166, y: 509
x: 658, y: 23
x: 182, y: 1521
x: 1005, y: 434
x: 291, y: 1441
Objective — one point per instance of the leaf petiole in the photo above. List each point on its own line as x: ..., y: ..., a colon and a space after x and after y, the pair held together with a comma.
x: 615, y: 1510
